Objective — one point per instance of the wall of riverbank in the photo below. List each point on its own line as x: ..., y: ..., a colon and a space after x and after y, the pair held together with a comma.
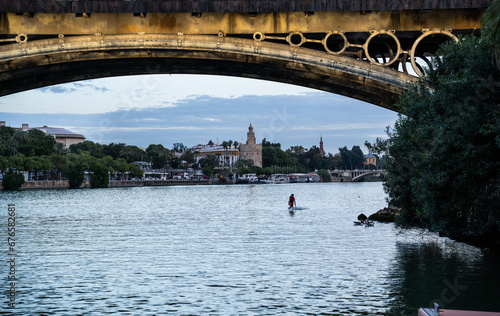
x: 64, y: 184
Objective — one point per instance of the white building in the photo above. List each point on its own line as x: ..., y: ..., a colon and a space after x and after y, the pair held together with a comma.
x: 225, y: 157
x: 62, y: 135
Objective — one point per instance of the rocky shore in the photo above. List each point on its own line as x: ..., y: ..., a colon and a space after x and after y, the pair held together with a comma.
x: 385, y: 215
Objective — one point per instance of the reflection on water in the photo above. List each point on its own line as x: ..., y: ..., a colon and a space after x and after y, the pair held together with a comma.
x: 454, y: 275
x: 227, y: 250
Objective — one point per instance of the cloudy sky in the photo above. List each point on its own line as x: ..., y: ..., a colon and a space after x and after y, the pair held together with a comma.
x: 166, y: 109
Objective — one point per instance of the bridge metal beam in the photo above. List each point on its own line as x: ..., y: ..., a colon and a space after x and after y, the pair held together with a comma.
x: 41, y: 63
x: 154, y: 6
x: 237, y: 23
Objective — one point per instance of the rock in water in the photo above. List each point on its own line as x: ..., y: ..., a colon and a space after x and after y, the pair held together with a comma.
x: 362, y: 217
x: 385, y: 215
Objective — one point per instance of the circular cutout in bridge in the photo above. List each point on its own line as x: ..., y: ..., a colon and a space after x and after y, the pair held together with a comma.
x: 423, y: 52
x: 258, y: 36
x: 296, y: 39
x: 382, y: 48
x: 21, y: 38
x: 335, y: 42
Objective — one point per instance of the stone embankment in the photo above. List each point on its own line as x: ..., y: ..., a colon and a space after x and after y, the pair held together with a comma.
x: 64, y: 184
x: 385, y: 215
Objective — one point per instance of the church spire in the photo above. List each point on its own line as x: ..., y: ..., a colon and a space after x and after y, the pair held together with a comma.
x: 321, y: 150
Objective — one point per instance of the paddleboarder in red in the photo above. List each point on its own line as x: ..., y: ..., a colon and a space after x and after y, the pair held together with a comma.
x: 291, y: 201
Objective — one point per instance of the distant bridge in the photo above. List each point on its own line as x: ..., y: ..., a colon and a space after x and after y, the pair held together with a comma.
x: 354, y: 175
x: 361, y: 49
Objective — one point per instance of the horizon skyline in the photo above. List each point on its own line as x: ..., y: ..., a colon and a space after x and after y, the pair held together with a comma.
x: 164, y: 109
x: 216, y: 142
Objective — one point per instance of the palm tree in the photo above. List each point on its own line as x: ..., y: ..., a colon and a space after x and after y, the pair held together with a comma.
x: 230, y: 143
x: 491, y: 21
x: 128, y: 152
x: 21, y: 136
x: 225, y: 145
x: 164, y: 155
x: 59, y: 148
x: 11, y: 146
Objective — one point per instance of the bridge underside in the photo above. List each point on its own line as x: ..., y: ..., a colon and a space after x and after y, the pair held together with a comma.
x: 47, y: 62
x: 367, y: 55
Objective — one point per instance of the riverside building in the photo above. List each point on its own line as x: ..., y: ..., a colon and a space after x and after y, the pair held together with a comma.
x: 62, y: 135
x: 225, y: 156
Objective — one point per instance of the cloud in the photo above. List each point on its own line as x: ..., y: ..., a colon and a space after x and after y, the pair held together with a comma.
x: 286, y: 119
x: 93, y: 87
x: 211, y: 119
x: 58, y: 89
x: 335, y: 127
x: 74, y: 87
x: 148, y: 119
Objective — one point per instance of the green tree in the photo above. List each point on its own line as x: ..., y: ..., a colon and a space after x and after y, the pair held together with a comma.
x: 113, y: 150
x: 135, y: 170
x: 159, y: 156
x: 11, y: 147
x: 208, y: 171
x: 16, y: 162
x: 60, y: 163
x: 6, y: 132
x: 36, y: 164
x: 273, y: 155
x: 491, y: 19
x: 121, y: 166
x: 37, y: 144
x: 21, y: 136
x: 188, y: 156
x: 443, y: 169
x: 244, y: 163
x: 209, y: 161
x: 4, y: 164
x: 81, y: 160
x: 59, y: 148
x: 76, y: 176
x: 94, y: 149
x: 99, y: 177
x: 352, y: 159
x: 132, y: 153
x: 12, y: 180
x: 324, y: 175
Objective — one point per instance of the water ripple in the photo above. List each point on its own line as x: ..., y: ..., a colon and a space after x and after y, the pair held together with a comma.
x: 231, y: 250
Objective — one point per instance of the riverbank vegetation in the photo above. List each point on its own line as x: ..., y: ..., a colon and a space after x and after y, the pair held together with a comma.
x: 45, y: 159
x: 442, y: 156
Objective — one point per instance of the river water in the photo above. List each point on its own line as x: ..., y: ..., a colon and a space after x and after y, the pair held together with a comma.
x: 231, y: 250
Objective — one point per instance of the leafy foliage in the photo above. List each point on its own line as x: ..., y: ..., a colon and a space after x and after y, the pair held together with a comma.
x: 352, y: 159
x: 113, y: 150
x: 99, y: 177
x: 324, y: 175
x: 12, y: 180
x: 75, y: 176
x: 135, y: 171
x: 491, y: 19
x: 159, y: 155
x: 94, y: 149
x: 443, y: 166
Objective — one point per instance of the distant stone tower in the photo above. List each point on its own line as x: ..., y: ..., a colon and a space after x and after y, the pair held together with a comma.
x: 321, y: 150
x: 251, y: 150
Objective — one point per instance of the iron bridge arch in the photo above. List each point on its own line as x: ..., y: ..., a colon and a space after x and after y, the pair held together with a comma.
x: 34, y: 64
